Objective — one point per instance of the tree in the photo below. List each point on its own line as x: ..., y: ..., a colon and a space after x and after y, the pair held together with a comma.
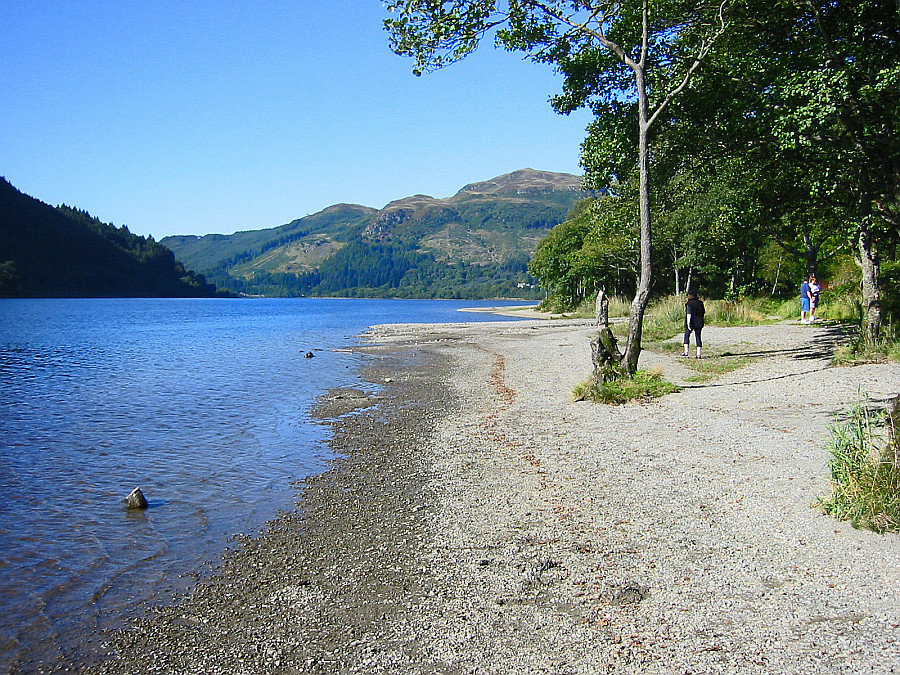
x: 846, y: 101
x: 808, y: 95
x: 594, y: 248
x: 627, y: 60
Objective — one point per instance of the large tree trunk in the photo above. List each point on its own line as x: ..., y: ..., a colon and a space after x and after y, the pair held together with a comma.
x: 867, y: 257
x: 642, y: 295
x: 675, y: 266
x: 810, y: 255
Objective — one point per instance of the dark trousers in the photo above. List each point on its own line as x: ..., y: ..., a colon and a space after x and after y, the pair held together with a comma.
x: 696, y: 332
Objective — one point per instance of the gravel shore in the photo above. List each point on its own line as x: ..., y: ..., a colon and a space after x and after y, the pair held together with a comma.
x: 482, y: 522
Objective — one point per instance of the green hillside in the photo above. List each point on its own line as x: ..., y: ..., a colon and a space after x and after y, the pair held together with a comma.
x: 475, y: 244
x: 64, y: 252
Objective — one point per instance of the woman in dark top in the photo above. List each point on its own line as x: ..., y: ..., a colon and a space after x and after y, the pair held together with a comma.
x: 693, y: 323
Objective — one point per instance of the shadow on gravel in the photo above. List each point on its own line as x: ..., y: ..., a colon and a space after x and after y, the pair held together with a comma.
x: 827, y: 339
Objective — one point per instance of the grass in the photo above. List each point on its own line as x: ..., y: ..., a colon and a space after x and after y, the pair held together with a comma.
x: 665, y: 317
x: 858, y: 351
x: 716, y: 361
x: 645, y: 385
x: 865, y: 475
x: 712, y: 368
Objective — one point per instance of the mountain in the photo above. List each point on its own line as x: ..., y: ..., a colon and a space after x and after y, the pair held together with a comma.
x: 474, y: 244
x: 64, y: 252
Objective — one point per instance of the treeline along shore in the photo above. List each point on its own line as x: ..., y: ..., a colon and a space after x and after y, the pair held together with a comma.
x: 479, y: 520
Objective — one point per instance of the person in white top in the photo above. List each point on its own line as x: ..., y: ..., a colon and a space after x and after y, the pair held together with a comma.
x: 813, y: 298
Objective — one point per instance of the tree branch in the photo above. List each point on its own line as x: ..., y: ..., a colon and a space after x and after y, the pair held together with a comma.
x: 598, y: 16
x: 705, y: 47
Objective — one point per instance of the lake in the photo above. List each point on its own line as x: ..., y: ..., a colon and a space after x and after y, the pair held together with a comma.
x: 204, y: 404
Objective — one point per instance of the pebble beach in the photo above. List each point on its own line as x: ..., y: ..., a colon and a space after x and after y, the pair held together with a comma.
x: 481, y: 521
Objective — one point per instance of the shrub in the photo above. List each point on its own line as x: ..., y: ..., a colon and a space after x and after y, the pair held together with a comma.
x: 865, y: 475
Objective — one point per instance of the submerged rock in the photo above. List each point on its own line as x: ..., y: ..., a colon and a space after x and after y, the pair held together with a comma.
x: 136, y: 500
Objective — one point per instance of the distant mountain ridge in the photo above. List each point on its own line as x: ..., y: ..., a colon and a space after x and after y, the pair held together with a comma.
x: 65, y: 252
x: 474, y: 244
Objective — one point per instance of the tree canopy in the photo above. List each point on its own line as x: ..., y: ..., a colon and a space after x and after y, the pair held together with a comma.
x: 626, y: 60
x: 739, y: 126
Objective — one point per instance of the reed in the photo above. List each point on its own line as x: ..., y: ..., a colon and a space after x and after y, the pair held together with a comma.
x: 865, y: 475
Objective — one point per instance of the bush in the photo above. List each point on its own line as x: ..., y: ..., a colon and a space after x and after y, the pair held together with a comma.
x: 865, y: 475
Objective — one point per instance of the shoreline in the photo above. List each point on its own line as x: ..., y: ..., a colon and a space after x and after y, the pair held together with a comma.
x: 480, y: 520
x: 304, y: 592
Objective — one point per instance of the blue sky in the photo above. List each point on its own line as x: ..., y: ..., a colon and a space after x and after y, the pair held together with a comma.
x: 202, y: 116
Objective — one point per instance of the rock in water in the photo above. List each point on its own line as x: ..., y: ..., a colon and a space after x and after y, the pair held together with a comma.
x: 136, y: 500
x: 309, y: 355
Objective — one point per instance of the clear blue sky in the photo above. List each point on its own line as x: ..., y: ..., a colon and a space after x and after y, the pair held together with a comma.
x: 201, y: 116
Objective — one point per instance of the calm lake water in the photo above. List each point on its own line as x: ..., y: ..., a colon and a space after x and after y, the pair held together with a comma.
x: 202, y: 403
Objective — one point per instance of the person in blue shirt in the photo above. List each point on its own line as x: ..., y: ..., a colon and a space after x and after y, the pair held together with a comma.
x: 805, y: 300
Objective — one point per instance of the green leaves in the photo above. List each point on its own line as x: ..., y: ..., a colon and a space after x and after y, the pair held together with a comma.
x: 597, y: 247
x: 437, y: 33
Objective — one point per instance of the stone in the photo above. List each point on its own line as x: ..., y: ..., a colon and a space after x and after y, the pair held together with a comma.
x: 309, y: 355
x: 136, y: 500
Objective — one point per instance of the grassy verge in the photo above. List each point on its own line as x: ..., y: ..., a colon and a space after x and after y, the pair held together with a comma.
x: 665, y: 317
x: 865, y: 475
x: 645, y: 385
x: 857, y: 351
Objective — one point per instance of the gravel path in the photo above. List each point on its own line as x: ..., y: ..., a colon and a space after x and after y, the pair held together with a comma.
x: 484, y: 523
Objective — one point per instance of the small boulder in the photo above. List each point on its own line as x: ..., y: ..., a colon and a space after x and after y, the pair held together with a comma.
x: 136, y: 500
x: 309, y: 355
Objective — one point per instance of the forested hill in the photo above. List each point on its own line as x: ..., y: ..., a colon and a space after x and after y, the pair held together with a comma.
x: 475, y: 244
x: 64, y: 252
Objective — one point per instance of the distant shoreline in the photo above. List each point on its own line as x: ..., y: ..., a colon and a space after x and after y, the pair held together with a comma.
x: 521, y: 312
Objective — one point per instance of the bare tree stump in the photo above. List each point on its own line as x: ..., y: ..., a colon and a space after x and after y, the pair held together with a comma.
x: 605, y: 353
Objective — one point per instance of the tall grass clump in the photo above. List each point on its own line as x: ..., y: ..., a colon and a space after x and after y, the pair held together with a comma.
x: 665, y: 317
x: 857, y: 350
x: 840, y: 305
x: 865, y: 474
x: 645, y: 385
x: 743, y: 312
x: 618, y: 306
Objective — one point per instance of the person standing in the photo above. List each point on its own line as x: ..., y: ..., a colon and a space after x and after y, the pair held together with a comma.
x: 814, y: 290
x: 805, y: 300
x: 694, y: 312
